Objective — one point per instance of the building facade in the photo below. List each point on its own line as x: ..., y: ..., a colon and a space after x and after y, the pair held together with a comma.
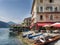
x: 45, y: 11
x: 27, y: 21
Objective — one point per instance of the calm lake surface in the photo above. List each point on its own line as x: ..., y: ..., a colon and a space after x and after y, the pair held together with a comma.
x: 5, y: 39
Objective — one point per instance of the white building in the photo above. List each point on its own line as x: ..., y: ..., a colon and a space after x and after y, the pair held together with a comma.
x: 45, y: 11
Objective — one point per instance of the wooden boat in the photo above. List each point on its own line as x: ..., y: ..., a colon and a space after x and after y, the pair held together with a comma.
x: 53, y: 39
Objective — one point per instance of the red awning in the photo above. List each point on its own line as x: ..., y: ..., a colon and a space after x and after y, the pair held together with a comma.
x: 43, y: 24
x: 56, y: 25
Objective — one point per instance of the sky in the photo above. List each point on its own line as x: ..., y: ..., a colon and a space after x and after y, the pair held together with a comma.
x: 15, y: 10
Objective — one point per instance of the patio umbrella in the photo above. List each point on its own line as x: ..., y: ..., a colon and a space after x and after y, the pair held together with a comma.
x: 56, y: 25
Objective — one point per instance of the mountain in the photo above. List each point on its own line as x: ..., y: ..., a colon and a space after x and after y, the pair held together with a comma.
x: 11, y: 23
x: 4, y: 24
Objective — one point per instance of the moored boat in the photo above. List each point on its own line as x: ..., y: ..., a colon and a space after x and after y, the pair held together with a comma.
x: 50, y: 40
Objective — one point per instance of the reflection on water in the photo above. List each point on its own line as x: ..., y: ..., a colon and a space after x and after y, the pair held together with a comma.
x: 5, y: 39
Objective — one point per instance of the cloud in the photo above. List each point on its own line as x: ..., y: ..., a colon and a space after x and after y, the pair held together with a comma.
x: 3, y: 19
x: 14, y: 10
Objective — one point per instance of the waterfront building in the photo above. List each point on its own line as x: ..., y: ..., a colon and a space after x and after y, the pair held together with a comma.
x: 45, y: 12
x: 27, y: 21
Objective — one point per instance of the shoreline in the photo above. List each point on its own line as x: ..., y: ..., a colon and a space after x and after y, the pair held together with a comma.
x: 25, y: 41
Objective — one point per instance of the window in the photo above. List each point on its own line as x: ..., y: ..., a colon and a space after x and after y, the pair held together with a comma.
x: 49, y: 8
x: 51, y: 17
x: 51, y: 1
x: 41, y: 9
x: 41, y: 17
x: 56, y: 8
x: 41, y: 1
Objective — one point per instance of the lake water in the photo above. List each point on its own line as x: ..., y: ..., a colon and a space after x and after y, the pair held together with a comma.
x: 5, y: 39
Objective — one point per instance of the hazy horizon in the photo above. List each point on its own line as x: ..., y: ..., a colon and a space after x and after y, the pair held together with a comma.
x: 15, y: 10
